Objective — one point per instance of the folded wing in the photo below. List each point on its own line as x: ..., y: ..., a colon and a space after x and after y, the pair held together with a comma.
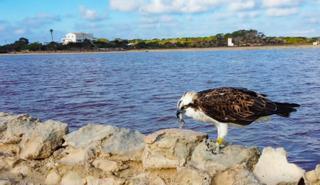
x: 235, y: 105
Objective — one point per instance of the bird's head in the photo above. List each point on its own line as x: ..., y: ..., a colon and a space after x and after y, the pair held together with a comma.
x: 187, y: 101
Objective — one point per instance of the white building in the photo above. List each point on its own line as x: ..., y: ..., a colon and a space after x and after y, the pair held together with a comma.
x: 77, y: 37
x: 316, y: 43
x: 230, y: 43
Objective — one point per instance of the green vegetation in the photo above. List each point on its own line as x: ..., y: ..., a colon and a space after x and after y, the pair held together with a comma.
x: 297, y: 40
x: 240, y: 38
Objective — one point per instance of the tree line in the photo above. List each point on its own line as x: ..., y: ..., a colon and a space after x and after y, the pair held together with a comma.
x: 240, y: 38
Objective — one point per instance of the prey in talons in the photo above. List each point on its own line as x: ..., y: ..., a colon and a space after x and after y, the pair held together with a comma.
x: 180, y: 119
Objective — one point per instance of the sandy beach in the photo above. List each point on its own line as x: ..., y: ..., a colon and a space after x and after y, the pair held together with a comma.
x: 169, y: 50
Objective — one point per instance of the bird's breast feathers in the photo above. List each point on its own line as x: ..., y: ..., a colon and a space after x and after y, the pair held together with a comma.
x: 199, y: 116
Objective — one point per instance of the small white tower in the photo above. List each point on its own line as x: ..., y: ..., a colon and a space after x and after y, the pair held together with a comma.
x: 230, y: 43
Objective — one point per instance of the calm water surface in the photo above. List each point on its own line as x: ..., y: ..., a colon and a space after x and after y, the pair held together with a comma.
x: 140, y: 90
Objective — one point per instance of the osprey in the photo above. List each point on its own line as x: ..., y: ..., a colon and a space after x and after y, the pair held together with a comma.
x: 229, y: 106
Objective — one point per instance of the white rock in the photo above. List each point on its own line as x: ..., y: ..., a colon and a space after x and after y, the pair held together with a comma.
x: 53, y: 178
x: 273, y: 167
x: 313, y: 177
x: 43, y: 140
x: 71, y: 178
x: 170, y: 148
x: 191, y: 176
x: 231, y: 155
x: 120, y: 143
x: 237, y: 175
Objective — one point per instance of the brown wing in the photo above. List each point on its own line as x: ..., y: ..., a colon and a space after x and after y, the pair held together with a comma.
x: 235, y: 105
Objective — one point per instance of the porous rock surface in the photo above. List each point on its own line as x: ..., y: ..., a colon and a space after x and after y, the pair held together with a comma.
x: 36, y: 152
x: 273, y: 167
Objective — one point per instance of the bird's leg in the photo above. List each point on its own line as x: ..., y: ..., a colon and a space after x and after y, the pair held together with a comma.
x: 219, y: 144
x: 222, y: 129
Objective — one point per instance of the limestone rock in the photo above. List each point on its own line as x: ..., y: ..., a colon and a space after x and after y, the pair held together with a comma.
x: 104, y: 181
x: 120, y: 143
x: 52, y: 178
x: 146, y: 179
x: 313, y: 177
x: 192, y: 176
x: 71, y: 178
x: 35, y: 140
x: 3, y: 164
x: 13, y: 127
x: 5, y: 182
x: 170, y: 148
x: 11, y: 161
x: 21, y: 169
x: 231, y: 155
x: 237, y: 175
x: 3, y: 121
x: 76, y: 156
x: 273, y: 167
x: 43, y: 140
x: 108, y: 165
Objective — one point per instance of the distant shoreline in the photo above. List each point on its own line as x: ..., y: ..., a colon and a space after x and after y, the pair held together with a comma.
x: 166, y: 50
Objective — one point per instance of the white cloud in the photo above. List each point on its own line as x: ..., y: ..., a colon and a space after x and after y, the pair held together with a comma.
x: 280, y: 3
x: 88, y: 13
x: 19, y: 31
x: 164, y: 6
x: 152, y: 21
x: 125, y: 5
x: 179, y: 6
x: 166, y: 18
x: 277, y: 12
x: 248, y: 14
x: 314, y: 20
x: 311, y: 17
x: 242, y: 5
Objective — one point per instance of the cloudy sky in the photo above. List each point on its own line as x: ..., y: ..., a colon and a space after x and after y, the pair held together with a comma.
x: 155, y: 18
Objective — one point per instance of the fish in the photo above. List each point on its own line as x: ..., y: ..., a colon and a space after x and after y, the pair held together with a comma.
x: 180, y: 120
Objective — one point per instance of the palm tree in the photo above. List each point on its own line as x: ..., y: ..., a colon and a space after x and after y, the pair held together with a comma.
x: 51, y: 32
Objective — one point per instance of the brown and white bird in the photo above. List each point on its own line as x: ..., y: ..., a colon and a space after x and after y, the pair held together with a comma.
x: 229, y: 106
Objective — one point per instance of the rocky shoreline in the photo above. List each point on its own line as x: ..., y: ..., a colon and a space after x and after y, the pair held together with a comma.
x: 35, y: 152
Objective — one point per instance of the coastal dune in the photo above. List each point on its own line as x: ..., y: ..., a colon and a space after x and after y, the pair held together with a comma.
x: 37, y: 152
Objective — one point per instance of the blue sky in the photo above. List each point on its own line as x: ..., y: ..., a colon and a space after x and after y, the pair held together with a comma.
x: 155, y: 18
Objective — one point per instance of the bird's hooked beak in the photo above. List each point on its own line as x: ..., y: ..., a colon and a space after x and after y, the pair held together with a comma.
x: 179, y: 115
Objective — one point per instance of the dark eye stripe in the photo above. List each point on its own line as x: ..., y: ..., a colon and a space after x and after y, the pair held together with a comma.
x: 187, y: 106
